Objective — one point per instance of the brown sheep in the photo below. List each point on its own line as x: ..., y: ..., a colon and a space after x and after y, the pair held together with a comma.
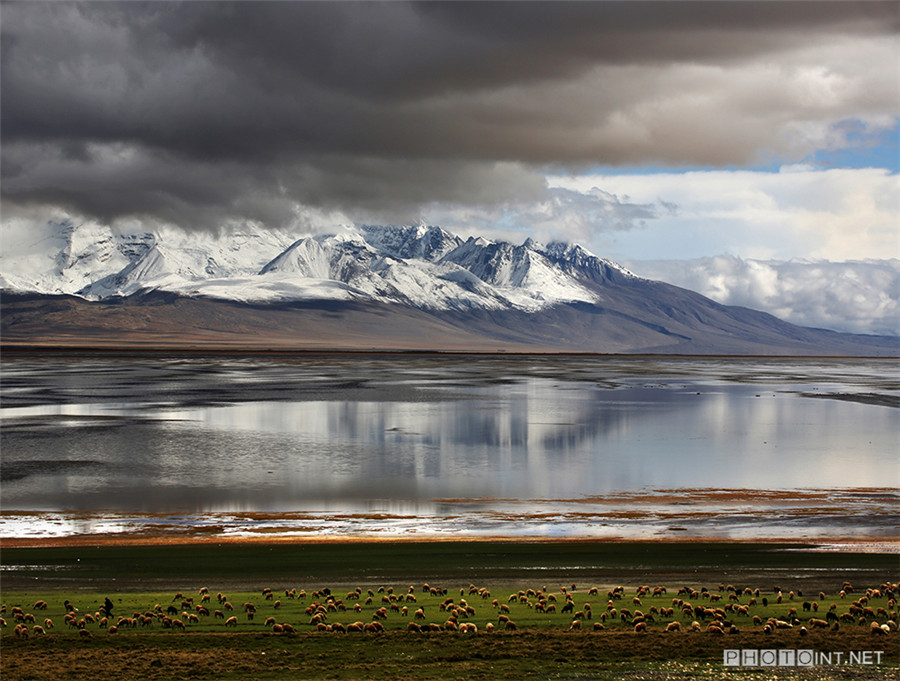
x: 640, y: 627
x: 510, y: 625
x: 673, y: 626
x: 576, y: 624
x: 231, y: 622
x: 880, y: 629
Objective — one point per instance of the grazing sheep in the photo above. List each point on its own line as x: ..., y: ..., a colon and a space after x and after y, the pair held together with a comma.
x: 231, y: 622
x: 40, y: 605
x: 489, y: 627
x: 84, y: 633
x: 599, y: 627
x: 413, y: 628
x: 510, y: 625
x: 640, y: 627
x: 673, y: 626
x: 880, y: 629
x: 576, y: 624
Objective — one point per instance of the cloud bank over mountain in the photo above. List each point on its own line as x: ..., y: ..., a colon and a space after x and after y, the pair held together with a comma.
x: 203, y: 113
x: 854, y: 297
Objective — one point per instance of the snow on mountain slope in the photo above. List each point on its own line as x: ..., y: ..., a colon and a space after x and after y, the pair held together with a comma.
x: 64, y: 257
x: 424, y: 267
x: 413, y: 242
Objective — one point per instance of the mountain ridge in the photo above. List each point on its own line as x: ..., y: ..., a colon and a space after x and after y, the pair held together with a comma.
x: 412, y: 287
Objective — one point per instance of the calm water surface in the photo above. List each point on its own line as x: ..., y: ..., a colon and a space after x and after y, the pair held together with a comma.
x: 631, y: 447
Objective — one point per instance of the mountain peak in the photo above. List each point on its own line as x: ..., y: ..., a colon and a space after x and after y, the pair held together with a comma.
x: 419, y: 242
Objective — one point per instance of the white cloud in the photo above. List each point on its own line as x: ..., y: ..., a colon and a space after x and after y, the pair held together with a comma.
x: 854, y: 296
x: 836, y: 214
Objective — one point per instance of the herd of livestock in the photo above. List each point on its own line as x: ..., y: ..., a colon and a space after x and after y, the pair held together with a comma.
x: 720, y: 611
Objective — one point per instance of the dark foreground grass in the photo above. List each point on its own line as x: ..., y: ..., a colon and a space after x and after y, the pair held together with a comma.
x: 398, y: 655
x: 249, y: 564
x: 139, y: 578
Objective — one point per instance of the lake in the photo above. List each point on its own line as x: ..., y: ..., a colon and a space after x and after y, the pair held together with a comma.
x: 424, y: 446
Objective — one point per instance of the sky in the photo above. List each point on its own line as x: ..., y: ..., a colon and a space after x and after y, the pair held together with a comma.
x: 748, y: 150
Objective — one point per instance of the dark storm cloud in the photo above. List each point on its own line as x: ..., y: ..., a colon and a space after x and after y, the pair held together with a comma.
x: 199, y: 112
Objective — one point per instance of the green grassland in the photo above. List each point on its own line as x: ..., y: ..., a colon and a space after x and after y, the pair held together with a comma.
x: 471, y: 583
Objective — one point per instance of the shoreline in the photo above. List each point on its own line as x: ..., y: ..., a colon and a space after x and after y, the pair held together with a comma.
x: 31, y: 348
x: 833, y: 544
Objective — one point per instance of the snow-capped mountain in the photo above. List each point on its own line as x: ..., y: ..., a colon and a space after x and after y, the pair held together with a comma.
x: 425, y: 267
x: 410, y: 287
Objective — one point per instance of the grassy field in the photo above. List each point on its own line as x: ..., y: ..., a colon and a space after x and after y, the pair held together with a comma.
x: 531, y: 582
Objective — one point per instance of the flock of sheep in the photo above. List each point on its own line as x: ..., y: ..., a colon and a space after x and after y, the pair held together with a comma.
x: 722, y: 611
